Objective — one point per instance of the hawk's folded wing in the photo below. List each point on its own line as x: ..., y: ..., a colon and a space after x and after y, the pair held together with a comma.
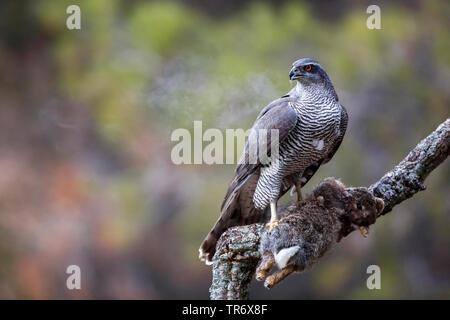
x: 279, y: 116
x: 238, y: 207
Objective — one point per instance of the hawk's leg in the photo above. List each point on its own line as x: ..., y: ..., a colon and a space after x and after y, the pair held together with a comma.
x: 299, y: 193
x: 267, y: 262
x: 273, y: 216
x: 275, y: 278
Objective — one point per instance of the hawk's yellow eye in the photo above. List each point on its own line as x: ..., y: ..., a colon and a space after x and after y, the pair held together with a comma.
x: 308, y: 67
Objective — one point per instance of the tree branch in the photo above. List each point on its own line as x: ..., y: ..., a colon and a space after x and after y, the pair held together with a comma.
x: 238, y: 249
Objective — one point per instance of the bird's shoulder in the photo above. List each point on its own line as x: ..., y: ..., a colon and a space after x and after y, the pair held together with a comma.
x: 278, y: 114
x: 280, y: 103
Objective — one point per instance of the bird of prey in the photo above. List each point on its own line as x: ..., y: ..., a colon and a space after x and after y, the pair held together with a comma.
x: 311, y: 124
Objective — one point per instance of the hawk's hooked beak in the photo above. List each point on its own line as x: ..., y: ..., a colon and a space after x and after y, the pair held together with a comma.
x: 294, y: 74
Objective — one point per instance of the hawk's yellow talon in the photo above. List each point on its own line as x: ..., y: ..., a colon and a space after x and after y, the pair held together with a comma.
x: 272, y: 225
x: 299, y: 194
x: 321, y: 199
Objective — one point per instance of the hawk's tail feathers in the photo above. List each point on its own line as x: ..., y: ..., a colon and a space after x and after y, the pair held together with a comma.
x: 208, y: 247
x: 229, y: 217
x: 235, y: 212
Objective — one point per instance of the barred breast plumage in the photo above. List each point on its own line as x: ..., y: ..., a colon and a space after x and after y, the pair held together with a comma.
x: 311, y: 124
x: 314, y: 135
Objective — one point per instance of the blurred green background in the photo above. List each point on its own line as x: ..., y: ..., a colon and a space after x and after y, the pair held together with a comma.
x: 86, y: 118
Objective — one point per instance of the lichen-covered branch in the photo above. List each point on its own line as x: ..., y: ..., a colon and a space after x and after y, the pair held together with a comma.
x: 238, y: 249
x: 408, y: 177
x: 235, y: 262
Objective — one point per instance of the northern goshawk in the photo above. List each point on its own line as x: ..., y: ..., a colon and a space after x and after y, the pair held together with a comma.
x: 311, y: 124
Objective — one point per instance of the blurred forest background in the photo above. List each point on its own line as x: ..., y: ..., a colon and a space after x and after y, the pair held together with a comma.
x: 86, y: 118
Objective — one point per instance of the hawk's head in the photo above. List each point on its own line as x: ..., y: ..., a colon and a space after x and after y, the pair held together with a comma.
x: 307, y: 70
